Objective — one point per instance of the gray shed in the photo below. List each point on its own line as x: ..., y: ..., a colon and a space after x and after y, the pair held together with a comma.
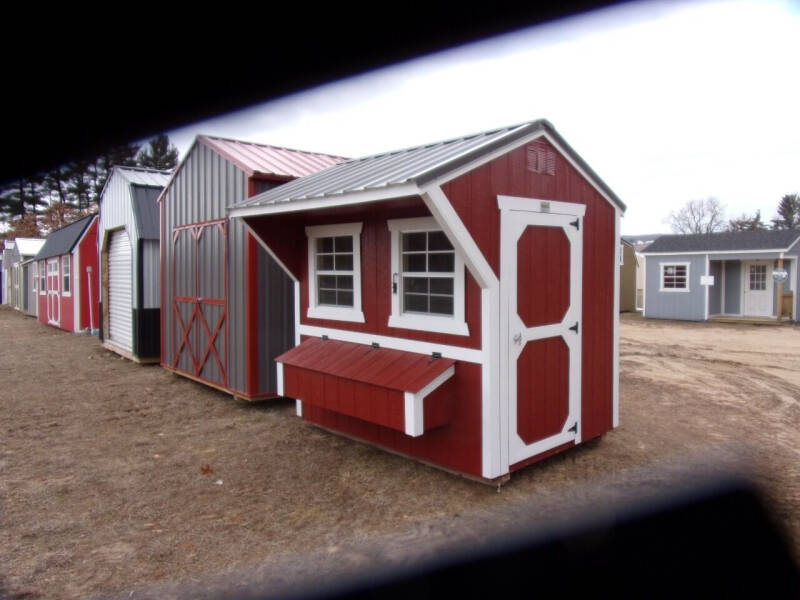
x: 18, y: 280
x: 722, y: 275
x: 128, y: 249
x: 227, y: 306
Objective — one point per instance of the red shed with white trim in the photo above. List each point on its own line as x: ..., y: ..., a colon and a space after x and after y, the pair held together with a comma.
x: 67, y: 277
x: 458, y: 301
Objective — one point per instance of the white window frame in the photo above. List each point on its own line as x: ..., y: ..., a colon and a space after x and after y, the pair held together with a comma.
x: 336, y: 313
x: 456, y: 324
x: 661, y: 287
x: 35, y: 276
x: 66, y: 276
x: 42, y: 278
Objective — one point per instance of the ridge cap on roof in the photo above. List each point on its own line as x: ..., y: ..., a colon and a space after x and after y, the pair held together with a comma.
x: 265, y: 145
x: 142, y: 169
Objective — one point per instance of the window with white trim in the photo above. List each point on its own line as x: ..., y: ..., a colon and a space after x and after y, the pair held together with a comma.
x: 334, y: 272
x: 65, y: 276
x: 674, y: 277
x: 42, y: 278
x: 427, y: 278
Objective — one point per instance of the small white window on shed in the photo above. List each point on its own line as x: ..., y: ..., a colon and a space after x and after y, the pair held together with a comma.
x: 66, y: 289
x: 541, y: 158
x: 42, y: 278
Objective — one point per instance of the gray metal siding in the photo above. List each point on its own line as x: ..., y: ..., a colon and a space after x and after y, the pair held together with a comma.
x: 116, y: 210
x: 200, y: 191
x: 733, y: 287
x: 689, y: 306
x: 275, y: 317
x: 715, y: 291
x: 151, y: 279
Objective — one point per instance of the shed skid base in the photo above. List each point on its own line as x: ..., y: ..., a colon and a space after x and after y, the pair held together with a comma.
x: 124, y: 353
x: 236, y: 394
x: 496, y: 482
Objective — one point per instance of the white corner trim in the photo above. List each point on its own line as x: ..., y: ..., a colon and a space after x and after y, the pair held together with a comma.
x: 296, y: 313
x: 396, y: 343
x: 298, y: 407
x: 452, y: 225
x: 707, y: 287
x: 279, y: 378
x: 494, y: 420
x: 615, y: 358
x: 414, y: 410
x: 540, y: 205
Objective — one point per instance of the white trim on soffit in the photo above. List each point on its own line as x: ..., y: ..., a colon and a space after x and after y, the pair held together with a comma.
x: 414, y: 412
x: 701, y: 252
x: 395, y: 343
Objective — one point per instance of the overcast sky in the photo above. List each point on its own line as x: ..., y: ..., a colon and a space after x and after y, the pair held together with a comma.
x: 666, y: 101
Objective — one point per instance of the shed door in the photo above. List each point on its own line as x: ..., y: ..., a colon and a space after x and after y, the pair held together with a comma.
x: 53, y: 292
x: 120, y: 290
x: 758, y: 287
x: 541, y: 316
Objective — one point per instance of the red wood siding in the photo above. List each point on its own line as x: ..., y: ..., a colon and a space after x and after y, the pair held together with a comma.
x: 285, y: 234
x: 542, y: 275
x: 456, y: 445
x: 88, y: 258
x: 543, y: 389
x: 474, y: 197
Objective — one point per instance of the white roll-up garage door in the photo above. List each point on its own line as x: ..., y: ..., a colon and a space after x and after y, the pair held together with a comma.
x: 120, y: 290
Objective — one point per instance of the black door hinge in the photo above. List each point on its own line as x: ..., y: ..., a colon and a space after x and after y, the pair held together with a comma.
x: 574, y: 428
x: 576, y: 224
x: 574, y: 327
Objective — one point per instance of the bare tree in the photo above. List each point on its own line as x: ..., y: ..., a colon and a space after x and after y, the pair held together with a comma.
x: 698, y: 216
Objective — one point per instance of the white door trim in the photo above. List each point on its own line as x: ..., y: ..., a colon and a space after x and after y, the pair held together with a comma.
x: 513, y: 224
x: 770, y: 287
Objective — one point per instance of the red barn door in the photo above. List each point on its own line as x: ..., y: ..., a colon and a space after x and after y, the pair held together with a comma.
x: 541, y: 277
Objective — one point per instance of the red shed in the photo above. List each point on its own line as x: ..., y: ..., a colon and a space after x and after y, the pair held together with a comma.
x: 458, y: 301
x: 67, y: 277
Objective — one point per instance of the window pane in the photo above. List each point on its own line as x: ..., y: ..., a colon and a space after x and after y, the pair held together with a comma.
x: 414, y: 241
x: 441, y: 285
x: 441, y: 263
x: 327, y: 297
x: 415, y: 302
x: 325, y: 244
x: 344, y: 262
x: 326, y: 282
x: 437, y: 240
x: 442, y: 305
x: 414, y: 263
x: 415, y: 285
x: 344, y: 244
x: 344, y: 282
x: 345, y: 298
x: 325, y: 262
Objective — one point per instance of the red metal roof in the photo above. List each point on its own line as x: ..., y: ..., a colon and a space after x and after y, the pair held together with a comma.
x: 270, y: 160
x: 392, y: 369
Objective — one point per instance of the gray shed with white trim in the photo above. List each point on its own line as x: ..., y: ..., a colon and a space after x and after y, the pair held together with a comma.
x: 729, y: 274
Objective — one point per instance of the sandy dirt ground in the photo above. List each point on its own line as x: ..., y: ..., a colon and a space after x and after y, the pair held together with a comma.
x: 127, y: 481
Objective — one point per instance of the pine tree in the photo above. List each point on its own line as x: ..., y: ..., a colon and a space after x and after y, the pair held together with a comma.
x: 159, y: 154
x: 788, y: 213
x: 746, y: 223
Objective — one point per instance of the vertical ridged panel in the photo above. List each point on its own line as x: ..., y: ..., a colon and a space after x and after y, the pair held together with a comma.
x: 275, y: 318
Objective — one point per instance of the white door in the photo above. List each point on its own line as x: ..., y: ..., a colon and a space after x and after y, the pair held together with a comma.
x: 53, y: 292
x: 758, y: 288
x: 541, y: 325
x: 120, y: 290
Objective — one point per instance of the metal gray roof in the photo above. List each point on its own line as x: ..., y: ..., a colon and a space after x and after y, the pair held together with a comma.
x: 140, y: 176
x: 418, y: 165
x: 145, y: 210
x: 63, y: 240
x: 727, y: 241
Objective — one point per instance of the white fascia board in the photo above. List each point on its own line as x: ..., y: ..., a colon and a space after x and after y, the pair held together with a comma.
x: 395, y: 343
x: 516, y: 144
x: 274, y: 257
x: 414, y: 411
x: 444, y: 213
x: 703, y: 252
x: 346, y: 199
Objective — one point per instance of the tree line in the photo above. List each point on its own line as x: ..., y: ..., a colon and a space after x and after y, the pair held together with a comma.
x: 36, y: 205
x: 708, y: 216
